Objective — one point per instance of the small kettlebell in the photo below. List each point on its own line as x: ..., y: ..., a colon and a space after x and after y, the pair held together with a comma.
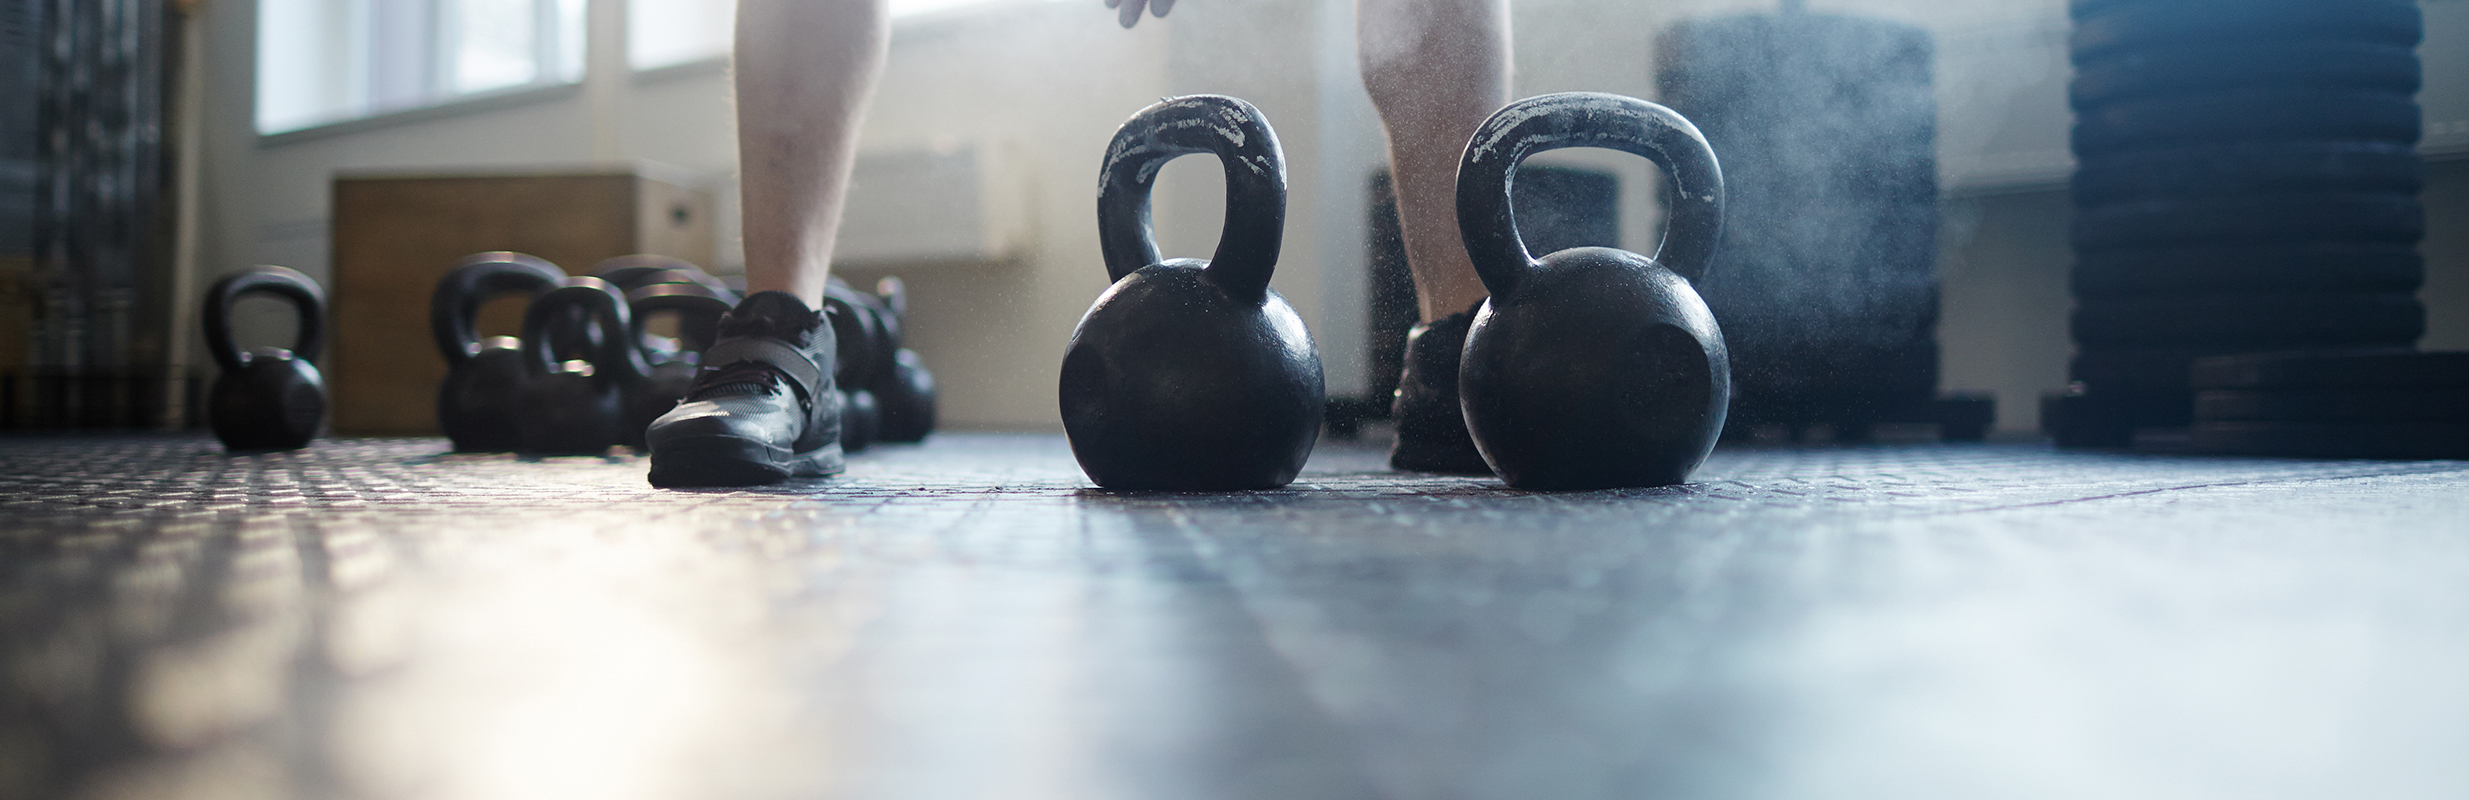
x: 574, y: 402
x: 484, y: 377
x: 904, y: 391
x: 1190, y: 374
x: 631, y: 272
x: 858, y: 334
x: 1593, y: 367
x: 668, y: 376
x: 267, y: 398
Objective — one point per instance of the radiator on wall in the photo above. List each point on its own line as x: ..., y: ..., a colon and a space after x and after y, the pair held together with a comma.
x: 953, y: 205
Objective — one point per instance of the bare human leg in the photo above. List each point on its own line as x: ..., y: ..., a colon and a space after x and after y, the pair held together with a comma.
x: 805, y: 71
x: 1435, y: 69
x: 764, y: 406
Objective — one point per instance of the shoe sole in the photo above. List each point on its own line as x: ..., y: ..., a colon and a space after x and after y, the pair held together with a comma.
x: 732, y: 461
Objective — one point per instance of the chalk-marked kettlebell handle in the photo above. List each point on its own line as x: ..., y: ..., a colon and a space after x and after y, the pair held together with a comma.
x: 454, y: 310
x: 281, y: 282
x: 1239, y: 136
x: 1586, y: 119
x: 615, y: 357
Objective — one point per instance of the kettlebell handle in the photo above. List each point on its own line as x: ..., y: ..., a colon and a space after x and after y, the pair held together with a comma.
x: 699, y: 310
x: 1255, y: 166
x: 631, y: 272
x: 616, y: 357
x: 454, y: 310
x: 281, y: 282
x: 1586, y: 119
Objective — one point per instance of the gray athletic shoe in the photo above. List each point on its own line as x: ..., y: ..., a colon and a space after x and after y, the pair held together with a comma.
x: 763, y: 407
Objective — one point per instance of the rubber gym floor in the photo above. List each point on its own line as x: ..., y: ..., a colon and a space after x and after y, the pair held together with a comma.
x: 970, y: 618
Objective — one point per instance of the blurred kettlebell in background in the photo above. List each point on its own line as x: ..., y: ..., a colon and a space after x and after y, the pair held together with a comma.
x: 267, y: 398
x: 484, y: 377
x: 903, y: 389
x: 1190, y: 374
x: 631, y: 272
x: 573, y: 401
x: 857, y: 323
x: 670, y: 371
x: 1593, y: 367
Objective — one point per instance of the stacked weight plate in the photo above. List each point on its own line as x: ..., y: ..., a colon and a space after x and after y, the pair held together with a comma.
x: 2396, y: 404
x: 2246, y: 181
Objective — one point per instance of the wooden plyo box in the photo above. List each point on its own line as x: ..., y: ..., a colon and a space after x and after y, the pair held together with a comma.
x: 395, y: 235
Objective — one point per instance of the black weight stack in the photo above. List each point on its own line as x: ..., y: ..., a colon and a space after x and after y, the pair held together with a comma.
x: 2246, y: 181
x: 1826, y: 283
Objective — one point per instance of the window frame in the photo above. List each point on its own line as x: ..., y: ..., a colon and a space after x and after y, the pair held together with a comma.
x: 558, y: 69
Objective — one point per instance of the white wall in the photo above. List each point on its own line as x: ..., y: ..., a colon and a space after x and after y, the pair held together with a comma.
x: 1048, y: 82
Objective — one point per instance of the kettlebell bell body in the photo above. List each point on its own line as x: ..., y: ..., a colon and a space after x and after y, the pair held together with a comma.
x: 903, y: 390
x: 574, y: 402
x: 484, y: 377
x: 907, y: 399
x: 859, y: 335
x: 267, y: 398
x: 861, y: 420
x: 1190, y: 374
x: 668, y: 376
x: 1592, y: 367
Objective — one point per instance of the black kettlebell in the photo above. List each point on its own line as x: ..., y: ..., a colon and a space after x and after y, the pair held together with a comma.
x: 858, y: 327
x: 574, y: 401
x: 1593, y: 367
x: 670, y: 371
x: 267, y: 398
x: 908, y: 400
x: 1191, y: 374
x: 904, y: 391
x: 484, y: 377
x: 631, y: 272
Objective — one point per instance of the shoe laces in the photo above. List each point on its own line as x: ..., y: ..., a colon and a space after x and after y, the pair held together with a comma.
x: 740, y: 379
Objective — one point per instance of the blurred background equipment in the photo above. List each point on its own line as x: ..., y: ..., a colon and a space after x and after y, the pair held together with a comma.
x: 1826, y: 281
x: 87, y: 285
x: 674, y: 310
x: 858, y: 334
x: 484, y: 377
x: 573, y: 399
x: 396, y: 235
x: 887, y: 394
x: 2247, y: 181
x: 2392, y: 404
x: 268, y: 398
x: 904, y: 391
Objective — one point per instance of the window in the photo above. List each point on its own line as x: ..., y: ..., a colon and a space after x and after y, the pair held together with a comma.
x: 324, y: 61
x: 663, y: 33
x: 321, y: 61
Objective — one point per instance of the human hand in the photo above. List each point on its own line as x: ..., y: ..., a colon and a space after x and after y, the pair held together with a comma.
x: 1131, y: 9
